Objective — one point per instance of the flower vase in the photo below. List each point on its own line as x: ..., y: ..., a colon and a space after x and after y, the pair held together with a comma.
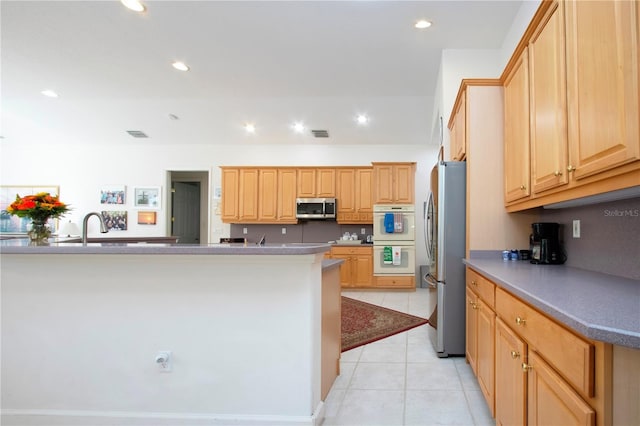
x: 39, y: 233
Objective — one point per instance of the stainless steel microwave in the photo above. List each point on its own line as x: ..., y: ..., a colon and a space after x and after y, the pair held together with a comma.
x: 316, y: 208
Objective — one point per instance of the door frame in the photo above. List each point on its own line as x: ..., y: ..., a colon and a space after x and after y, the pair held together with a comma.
x: 200, y: 176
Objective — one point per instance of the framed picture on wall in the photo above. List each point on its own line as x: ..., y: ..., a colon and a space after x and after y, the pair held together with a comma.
x: 113, y: 194
x: 20, y: 225
x: 147, y: 197
x: 115, y: 220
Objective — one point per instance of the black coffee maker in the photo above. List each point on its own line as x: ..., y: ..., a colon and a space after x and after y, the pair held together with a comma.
x: 545, y: 245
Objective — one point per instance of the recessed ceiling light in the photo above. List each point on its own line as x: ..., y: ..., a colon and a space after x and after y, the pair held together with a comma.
x: 134, y: 5
x: 362, y: 119
x: 49, y: 93
x: 250, y: 128
x: 298, y: 127
x: 422, y: 24
x: 180, y: 66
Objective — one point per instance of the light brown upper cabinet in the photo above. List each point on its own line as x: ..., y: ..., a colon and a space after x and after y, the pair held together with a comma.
x: 277, y: 195
x: 458, y: 128
x: 549, y: 150
x: 230, y: 187
x: 584, y: 104
x: 286, y: 194
x: 602, y: 85
x: 393, y: 183
x: 239, y: 194
x: 516, y: 130
x: 354, y: 195
x: 316, y: 182
x: 258, y: 195
x: 248, y: 189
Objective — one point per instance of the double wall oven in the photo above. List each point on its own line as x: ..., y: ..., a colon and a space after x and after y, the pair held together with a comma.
x: 394, y: 240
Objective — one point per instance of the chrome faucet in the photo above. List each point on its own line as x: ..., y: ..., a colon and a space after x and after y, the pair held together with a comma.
x: 103, y: 226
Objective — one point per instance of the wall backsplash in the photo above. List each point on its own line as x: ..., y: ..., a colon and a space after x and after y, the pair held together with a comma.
x: 609, y: 240
x: 313, y: 231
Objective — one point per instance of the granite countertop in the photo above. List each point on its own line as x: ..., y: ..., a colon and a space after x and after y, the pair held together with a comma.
x: 21, y: 246
x: 599, y: 306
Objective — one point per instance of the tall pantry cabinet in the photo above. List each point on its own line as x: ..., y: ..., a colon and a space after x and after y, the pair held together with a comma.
x: 488, y: 225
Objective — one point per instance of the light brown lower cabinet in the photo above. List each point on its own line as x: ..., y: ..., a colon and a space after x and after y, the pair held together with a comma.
x: 539, y: 371
x: 357, y: 269
x: 511, y: 384
x: 481, y: 324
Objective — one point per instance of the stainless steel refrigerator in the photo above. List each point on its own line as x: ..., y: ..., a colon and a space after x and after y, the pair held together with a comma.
x: 445, y: 229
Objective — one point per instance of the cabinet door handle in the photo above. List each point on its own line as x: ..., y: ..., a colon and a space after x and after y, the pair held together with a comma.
x: 520, y: 321
x: 523, y: 187
x: 515, y: 354
x: 557, y: 173
x: 570, y: 168
x: 473, y: 282
x: 526, y: 367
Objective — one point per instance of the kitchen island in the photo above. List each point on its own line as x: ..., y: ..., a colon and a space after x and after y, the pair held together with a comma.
x: 82, y: 326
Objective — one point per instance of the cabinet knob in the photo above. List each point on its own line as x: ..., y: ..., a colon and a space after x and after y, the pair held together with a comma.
x: 473, y: 282
x: 515, y: 355
x: 570, y: 168
x: 557, y: 173
x: 520, y: 321
x: 523, y: 187
x: 526, y: 367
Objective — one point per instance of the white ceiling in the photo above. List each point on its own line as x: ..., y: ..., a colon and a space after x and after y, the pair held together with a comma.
x: 268, y: 62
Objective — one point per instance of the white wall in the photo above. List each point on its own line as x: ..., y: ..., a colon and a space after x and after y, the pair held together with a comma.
x: 458, y: 64
x: 88, y: 168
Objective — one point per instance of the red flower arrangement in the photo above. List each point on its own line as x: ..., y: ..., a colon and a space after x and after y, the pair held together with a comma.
x: 38, y: 207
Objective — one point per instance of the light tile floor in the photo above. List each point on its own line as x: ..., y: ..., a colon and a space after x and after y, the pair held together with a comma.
x: 400, y: 380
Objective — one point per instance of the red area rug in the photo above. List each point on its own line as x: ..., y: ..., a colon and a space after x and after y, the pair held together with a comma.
x: 364, y: 323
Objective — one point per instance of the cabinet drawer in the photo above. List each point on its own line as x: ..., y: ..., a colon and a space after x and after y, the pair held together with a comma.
x: 395, y: 281
x: 571, y: 355
x: 348, y: 251
x: 482, y: 287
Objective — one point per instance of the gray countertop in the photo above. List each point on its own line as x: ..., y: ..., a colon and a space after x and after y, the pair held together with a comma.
x: 21, y: 246
x: 599, y: 306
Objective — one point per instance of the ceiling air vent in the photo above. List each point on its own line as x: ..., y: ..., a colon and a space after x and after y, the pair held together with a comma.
x: 320, y: 133
x: 137, y: 133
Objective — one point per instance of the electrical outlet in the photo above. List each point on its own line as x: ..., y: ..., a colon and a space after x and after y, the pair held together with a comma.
x: 244, y: 231
x: 576, y: 228
x: 363, y: 231
x: 284, y: 230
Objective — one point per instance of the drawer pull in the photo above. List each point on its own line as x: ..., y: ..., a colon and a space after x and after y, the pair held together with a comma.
x: 520, y: 321
x: 526, y: 367
x: 515, y: 355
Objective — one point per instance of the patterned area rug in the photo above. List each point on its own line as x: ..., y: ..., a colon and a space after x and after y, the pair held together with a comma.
x: 364, y: 323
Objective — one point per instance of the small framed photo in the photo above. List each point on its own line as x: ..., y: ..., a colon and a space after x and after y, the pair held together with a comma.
x: 115, y: 220
x: 147, y: 197
x: 113, y: 194
x: 147, y: 218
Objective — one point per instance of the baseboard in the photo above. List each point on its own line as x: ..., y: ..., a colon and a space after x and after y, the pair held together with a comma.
x: 9, y: 417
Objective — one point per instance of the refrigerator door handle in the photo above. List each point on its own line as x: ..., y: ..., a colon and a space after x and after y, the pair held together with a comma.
x: 431, y: 280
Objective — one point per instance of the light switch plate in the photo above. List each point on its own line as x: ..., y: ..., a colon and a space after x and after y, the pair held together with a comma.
x: 576, y: 228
